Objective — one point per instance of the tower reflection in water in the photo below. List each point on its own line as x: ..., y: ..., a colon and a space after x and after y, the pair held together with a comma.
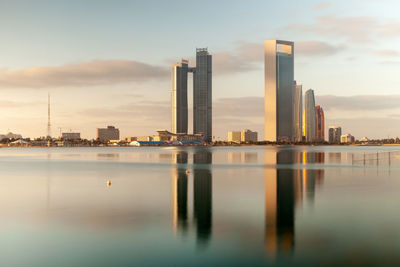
x: 284, y: 190
x: 180, y: 192
x: 202, y: 194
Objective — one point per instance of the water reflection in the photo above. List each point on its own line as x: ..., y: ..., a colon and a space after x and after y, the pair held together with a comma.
x: 180, y: 192
x: 202, y: 194
x: 242, y: 157
x: 284, y: 190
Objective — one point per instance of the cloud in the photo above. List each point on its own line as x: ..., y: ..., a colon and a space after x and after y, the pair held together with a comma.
x: 316, y: 48
x: 322, y: 5
x: 359, y: 102
x: 361, y: 29
x: 96, y: 72
x: 250, y: 56
x: 387, y: 53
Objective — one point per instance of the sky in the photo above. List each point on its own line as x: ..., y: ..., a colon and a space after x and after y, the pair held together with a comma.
x: 109, y: 62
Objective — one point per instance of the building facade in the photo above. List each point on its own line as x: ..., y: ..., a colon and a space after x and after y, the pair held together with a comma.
x: 71, y: 136
x: 179, y: 99
x: 309, y: 111
x: 248, y: 136
x: 297, y: 112
x: 234, y: 136
x: 347, y: 139
x: 335, y: 132
x: 202, y: 95
x: 279, y: 78
x: 319, y: 124
x: 107, y: 134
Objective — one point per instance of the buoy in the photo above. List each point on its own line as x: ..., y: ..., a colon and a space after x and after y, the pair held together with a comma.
x: 108, y: 183
x: 187, y: 171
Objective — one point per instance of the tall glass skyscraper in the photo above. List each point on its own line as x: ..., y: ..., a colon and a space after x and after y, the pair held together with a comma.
x: 279, y: 77
x: 319, y: 124
x: 309, y: 111
x: 179, y: 101
x: 202, y: 95
x: 297, y: 111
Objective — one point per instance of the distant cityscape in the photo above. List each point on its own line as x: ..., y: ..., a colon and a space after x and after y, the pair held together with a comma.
x: 286, y: 119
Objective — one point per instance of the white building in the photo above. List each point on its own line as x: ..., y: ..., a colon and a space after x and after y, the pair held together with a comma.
x: 234, y: 136
x: 347, y: 139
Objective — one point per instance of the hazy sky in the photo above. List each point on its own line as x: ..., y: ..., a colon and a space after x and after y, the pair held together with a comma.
x: 109, y: 62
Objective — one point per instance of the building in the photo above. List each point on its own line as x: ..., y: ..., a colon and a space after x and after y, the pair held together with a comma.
x: 107, y: 134
x: 71, y: 136
x: 234, y: 136
x: 309, y: 111
x: 179, y: 98
x: 248, y: 136
x: 166, y: 136
x: 202, y: 95
x: 319, y: 124
x: 347, y: 139
x: 335, y: 132
x: 297, y: 112
x: 279, y: 78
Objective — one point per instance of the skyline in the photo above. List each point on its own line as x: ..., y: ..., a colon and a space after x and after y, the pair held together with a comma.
x: 111, y: 70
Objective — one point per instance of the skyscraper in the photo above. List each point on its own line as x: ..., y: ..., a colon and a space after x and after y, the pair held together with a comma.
x: 179, y: 100
x: 297, y: 112
x: 319, y: 124
x: 279, y: 77
x: 202, y: 95
x: 309, y: 110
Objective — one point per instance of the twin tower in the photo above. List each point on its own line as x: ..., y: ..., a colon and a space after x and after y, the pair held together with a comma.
x: 202, y: 95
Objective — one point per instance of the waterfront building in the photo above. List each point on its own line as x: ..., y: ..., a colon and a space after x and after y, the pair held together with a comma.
x: 71, y: 136
x: 202, y: 95
x: 179, y: 100
x: 309, y: 110
x: 347, y: 139
x: 319, y: 124
x: 107, y: 134
x: 335, y: 132
x: 234, y: 136
x: 279, y: 77
x: 166, y: 136
x: 248, y: 136
x: 297, y: 112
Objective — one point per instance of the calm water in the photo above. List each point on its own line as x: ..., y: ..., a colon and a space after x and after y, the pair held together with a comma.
x: 236, y: 205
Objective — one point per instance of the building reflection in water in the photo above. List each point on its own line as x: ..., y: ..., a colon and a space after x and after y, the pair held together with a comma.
x: 180, y: 192
x: 202, y: 194
x: 284, y: 190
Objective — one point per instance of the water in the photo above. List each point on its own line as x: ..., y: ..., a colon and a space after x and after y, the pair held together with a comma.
x: 235, y: 206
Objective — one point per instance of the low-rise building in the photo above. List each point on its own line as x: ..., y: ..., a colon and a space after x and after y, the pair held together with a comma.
x: 347, y: 139
x: 71, y: 136
x: 234, y: 136
x: 249, y: 136
x: 166, y: 136
x: 107, y: 134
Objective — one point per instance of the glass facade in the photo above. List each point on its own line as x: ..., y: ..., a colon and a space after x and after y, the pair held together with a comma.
x: 309, y: 110
x: 279, y: 78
